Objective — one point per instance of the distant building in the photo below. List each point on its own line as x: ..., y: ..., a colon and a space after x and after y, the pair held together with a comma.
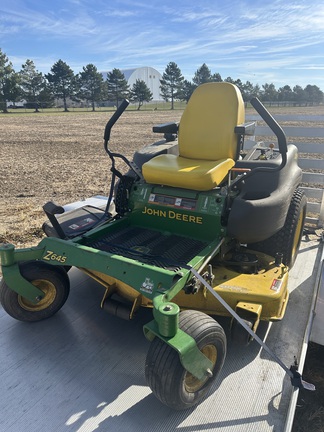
x: 149, y: 75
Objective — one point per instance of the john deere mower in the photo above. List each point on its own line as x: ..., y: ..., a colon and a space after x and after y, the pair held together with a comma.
x: 197, y: 227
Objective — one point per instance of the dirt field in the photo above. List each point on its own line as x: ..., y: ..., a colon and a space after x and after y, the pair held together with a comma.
x: 60, y: 157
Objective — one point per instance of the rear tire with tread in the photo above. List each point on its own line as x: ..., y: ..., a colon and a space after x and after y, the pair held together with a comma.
x: 287, y: 239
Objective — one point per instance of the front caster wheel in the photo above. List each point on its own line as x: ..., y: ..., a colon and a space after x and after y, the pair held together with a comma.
x: 238, y: 333
x: 53, y: 281
x: 170, y: 382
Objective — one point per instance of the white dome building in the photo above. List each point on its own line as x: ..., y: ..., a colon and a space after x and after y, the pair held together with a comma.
x: 149, y: 75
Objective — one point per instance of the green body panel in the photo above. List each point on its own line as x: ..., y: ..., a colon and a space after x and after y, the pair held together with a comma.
x: 185, y: 212
x: 146, y: 279
x: 60, y: 252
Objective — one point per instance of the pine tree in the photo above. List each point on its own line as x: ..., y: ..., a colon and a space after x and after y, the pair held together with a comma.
x: 46, y: 97
x: 118, y: 88
x: 202, y: 75
x: 313, y: 94
x: 171, y: 83
x: 32, y: 84
x: 63, y: 82
x: 299, y: 94
x: 216, y: 77
x: 140, y: 93
x: 9, y: 82
x: 269, y: 92
x: 249, y: 91
x: 187, y: 89
x: 91, y: 85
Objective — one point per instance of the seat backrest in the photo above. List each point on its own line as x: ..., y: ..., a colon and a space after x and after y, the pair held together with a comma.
x: 206, y: 129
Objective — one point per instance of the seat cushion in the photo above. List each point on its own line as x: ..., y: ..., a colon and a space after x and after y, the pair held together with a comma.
x: 206, y: 129
x: 177, y: 171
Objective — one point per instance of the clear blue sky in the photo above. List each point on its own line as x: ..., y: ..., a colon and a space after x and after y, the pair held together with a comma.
x: 280, y: 42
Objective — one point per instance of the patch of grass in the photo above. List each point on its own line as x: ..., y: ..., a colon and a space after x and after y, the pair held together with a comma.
x: 152, y: 106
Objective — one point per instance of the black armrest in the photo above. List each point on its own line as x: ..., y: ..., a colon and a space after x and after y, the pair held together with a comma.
x: 166, y: 128
x: 51, y: 209
x: 245, y: 129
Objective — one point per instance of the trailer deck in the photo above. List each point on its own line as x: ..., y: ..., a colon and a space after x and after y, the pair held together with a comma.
x: 83, y: 370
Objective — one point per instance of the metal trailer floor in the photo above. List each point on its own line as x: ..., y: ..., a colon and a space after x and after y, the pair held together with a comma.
x: 317, y: 333
x: 83, y: 370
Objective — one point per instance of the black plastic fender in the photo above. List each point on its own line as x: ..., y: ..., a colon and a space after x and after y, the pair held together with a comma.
x: 260, y: 208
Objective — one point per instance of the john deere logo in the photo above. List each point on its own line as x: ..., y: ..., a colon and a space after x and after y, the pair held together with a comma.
x: 141, y: 249
x: 170, y: 214
x: 147, y: 286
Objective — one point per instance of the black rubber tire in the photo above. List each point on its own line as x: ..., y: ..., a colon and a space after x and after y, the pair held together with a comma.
x: 287, y: 240
x: 166, y: 376
x: 52, y: 280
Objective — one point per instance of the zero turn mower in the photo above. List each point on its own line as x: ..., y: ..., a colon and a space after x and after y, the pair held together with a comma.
x: 193, y: 221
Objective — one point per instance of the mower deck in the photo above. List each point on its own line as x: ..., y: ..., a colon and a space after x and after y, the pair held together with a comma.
x: 52, y: 374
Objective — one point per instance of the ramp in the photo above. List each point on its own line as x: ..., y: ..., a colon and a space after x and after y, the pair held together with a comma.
x: 83, y: 370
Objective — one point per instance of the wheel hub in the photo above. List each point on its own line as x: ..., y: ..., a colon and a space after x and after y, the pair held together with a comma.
x: 193, y: 384
x: 48, y: 289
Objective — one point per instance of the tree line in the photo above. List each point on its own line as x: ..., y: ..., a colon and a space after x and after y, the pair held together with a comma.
x: 62, y: 83
x: 41, y: 90
x: 174, y: 86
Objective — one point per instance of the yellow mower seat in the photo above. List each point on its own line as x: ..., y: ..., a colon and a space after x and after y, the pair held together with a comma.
x: 208, y: 145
